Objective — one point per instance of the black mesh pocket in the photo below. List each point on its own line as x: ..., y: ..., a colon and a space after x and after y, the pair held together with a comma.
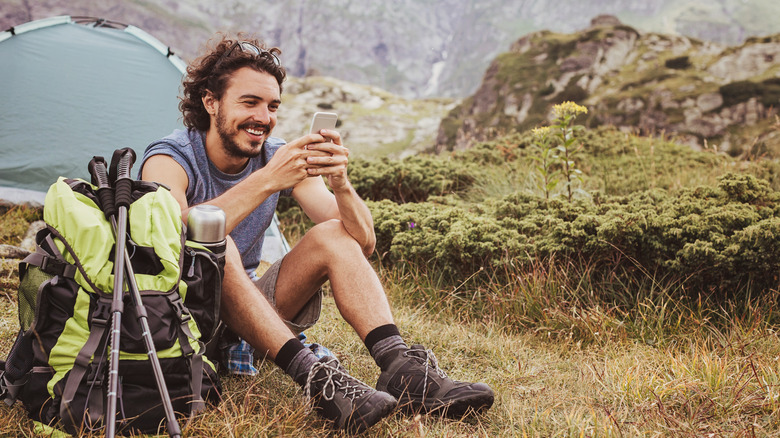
x: 20, y: 358
x: 31, y: 278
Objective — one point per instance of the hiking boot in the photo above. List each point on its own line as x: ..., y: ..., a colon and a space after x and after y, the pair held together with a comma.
x: 343, y: 399
x: 415, y: 379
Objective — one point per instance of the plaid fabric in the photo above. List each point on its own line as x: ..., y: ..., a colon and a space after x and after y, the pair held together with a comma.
x: 239, y: 359
x: 319, y: 350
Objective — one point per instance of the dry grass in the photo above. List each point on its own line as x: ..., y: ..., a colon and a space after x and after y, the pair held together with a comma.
x: 584, y: 370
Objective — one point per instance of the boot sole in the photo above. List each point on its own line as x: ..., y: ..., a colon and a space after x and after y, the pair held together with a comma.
x: 470, y: 405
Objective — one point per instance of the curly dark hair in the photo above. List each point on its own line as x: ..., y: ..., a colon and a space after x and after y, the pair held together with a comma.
x: 211, y: 71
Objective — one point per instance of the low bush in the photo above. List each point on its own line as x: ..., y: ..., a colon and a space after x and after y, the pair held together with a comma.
x: 413, y: 179
x: 767, y: 92
x: 679, y: 63
x: 715, y: 239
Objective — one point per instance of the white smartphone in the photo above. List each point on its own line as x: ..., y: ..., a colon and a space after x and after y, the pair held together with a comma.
x: 323, y: 120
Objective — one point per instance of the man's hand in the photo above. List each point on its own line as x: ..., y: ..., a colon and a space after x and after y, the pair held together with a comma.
x: 289, y: 165
x: 329, y: 160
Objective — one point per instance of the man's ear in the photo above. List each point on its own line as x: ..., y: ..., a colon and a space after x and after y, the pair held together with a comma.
x: 210, y: 102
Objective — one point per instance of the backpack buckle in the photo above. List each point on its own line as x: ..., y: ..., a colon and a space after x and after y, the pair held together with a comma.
x: 102, y: 312
x: 181, y: 310
x: 95, y: 374
x: 54, y: 266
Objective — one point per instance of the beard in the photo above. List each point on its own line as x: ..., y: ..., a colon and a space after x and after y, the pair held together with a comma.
x: 229, y: 143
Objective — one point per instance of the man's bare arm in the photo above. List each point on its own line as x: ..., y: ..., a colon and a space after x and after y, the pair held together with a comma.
x: 344, y: 203
x: 286, y: 169
x: 237, y: 202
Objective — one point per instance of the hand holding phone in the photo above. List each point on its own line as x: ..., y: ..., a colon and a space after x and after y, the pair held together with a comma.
x: 330, y: 158
x: 323, y: 120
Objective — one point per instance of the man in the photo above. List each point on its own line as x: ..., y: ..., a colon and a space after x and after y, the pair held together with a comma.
x: 228, y: 158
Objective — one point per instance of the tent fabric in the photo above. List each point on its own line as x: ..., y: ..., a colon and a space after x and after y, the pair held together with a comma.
x: 75, y: 87
x: 71, y: 91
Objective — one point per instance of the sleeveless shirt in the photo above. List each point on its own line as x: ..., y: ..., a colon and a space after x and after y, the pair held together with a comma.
x: 206, y: 182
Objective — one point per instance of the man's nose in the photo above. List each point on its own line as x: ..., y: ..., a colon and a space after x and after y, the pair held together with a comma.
x: 262, y: 114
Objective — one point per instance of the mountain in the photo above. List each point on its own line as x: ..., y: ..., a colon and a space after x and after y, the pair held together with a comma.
x: 705, y: 94
x: 372, y: 122
x: 408, y: 47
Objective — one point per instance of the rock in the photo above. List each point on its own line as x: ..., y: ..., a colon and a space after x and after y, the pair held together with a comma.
x: 28, y: 241
x: 709, y: 101
x: 621, y: 75
x: 750, y: 60
x: 630, y: 105
x: 12, y: 252
x: 605, y: 20
x: 372, y: 122
x: 753, y: 109
x: 706, y: 126
x: 576, y: 63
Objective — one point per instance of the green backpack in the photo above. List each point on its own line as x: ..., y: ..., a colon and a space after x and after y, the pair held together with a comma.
x: 58, y: 365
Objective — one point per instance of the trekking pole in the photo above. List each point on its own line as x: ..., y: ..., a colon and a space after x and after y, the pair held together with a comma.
x: 97, y: 168
x: 117, y: 306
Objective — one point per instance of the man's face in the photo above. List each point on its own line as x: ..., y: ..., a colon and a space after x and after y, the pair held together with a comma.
x: 246, y: 114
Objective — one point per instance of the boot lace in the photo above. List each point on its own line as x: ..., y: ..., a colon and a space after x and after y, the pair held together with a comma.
x: 336, y: 378
x: 430, y: 363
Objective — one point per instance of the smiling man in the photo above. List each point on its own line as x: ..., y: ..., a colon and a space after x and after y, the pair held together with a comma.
x: 228, y: 158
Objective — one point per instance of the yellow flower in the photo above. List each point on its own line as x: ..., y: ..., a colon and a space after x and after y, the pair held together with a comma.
x: 541, y: 132
x: 568, y: 109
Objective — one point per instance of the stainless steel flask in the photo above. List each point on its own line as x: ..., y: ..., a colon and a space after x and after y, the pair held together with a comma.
x: 206, y: 225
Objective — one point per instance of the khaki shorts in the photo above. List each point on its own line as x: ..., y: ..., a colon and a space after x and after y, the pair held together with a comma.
x: 309, y: 314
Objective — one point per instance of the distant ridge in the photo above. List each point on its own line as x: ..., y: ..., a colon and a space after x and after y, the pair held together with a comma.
x: 705, y: 94
x: 410, y: 48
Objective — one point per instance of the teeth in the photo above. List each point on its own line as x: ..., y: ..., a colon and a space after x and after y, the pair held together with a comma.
x: 255, y: 131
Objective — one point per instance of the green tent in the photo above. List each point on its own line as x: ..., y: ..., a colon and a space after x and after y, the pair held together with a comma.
x: 75, y: 87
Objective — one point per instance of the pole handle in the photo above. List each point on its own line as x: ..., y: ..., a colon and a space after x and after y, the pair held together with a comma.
x: 99, y: 172
x: 119, y: 174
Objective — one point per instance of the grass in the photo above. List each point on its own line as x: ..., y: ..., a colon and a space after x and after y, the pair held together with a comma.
x: 565, y: 358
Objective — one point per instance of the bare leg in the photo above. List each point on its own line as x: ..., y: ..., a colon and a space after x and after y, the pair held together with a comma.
x: 246, y: 311
x: 350, y: 403
x: 327, y: 251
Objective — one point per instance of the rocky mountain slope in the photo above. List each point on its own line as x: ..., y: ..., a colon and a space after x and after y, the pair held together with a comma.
x: 372, y: 122
x: 412, y: 48
x: 648, y: 83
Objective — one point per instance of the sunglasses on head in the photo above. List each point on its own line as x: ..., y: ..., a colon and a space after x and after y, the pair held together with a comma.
x: 250, y: 48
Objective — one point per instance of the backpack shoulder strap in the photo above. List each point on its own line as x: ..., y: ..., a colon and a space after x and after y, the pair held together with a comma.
x: 196, y: 357
x: 101, y: 319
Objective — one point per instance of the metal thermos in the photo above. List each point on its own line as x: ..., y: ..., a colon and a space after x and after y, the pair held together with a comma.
x: 206, y: 225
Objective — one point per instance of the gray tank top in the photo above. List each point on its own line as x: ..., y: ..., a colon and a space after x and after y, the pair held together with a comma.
x: 207, y: 182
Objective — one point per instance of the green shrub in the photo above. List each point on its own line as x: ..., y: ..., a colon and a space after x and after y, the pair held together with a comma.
x: 713, y: 239
x: 679, y: 63
x: 770, y: 93
x: 450, y: 239
x: 413, y: 179
x: 767, y: 92
x: 572, y: 92
x: 547, y: 90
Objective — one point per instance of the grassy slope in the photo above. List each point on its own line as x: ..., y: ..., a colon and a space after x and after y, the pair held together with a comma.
x: 699, y: 378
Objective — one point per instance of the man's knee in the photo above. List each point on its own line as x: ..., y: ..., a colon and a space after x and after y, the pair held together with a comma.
x: 331, y: 235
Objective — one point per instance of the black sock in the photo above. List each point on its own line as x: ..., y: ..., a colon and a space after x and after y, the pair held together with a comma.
x: 383, y: 339
x: 295, y: 360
